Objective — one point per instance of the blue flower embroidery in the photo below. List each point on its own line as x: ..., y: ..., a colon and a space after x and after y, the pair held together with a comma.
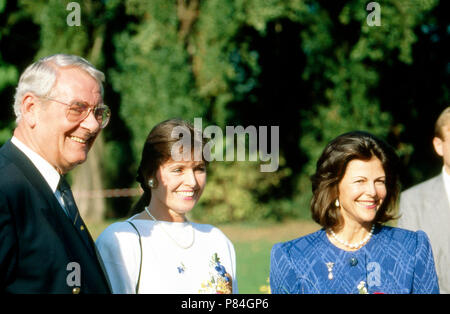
x: 220, y: 281
x: 181, y: 268
x: 221, y: 270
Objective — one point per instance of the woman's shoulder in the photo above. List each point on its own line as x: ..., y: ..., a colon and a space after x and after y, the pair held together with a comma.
x: 207, y: 228
x: 116, y: 229
x: 300, y: 246
x: 402, y: 235
x: 211, y: 232
x: 403, y: 239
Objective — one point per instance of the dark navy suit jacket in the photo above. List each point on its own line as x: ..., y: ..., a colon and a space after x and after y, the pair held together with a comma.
x: 393, y: 261
x: 40, y: 250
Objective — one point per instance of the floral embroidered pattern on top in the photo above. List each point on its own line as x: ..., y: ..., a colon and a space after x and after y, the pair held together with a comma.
x: 220, y: 281
x: 362, y: 288
x: 181, y: 268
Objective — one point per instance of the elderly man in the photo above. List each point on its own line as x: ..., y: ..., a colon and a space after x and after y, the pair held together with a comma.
x: 44, y: 244
x: 426, y: 206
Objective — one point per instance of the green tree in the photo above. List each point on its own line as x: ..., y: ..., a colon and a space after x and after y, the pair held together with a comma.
x: 315, y: 68
x: 224, y: 61
x: 9, y: 17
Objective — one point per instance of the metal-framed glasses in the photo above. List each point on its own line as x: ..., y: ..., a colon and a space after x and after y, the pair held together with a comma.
x: 78, y: 111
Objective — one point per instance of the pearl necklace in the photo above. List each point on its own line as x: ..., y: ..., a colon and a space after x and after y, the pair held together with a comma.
x: 353, y: 245
x: 168, y: 234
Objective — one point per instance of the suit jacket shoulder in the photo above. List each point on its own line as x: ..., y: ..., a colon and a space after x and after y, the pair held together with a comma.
x: 426, y: 207
x: 424, y: 204
x: 39, y: 247
x: 425, y: 189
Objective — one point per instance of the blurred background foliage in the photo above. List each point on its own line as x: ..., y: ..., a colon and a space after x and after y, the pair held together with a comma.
x: 315, y: 68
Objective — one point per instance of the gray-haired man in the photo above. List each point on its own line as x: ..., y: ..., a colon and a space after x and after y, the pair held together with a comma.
x: 44, y: 244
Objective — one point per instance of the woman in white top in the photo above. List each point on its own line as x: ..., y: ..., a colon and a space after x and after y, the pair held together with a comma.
x: 158, y: 250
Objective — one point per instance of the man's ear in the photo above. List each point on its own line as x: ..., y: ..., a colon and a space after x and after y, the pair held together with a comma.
x: 29, y: 109
x: 437, y: 143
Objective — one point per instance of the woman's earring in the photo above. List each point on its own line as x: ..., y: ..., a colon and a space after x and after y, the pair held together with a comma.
x: 337, y: 203
x: 151, y: 183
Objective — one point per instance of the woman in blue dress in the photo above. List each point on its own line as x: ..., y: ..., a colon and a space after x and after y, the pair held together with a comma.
x: 355, y: 189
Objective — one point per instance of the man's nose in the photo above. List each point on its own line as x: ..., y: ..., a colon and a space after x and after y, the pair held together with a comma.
x: 90, y: 122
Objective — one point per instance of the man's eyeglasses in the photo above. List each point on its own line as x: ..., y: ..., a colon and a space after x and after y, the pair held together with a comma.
x: 78, y: 111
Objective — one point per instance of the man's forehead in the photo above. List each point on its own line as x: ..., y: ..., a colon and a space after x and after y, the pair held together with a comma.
x: 76, y: 80
x: 74, y: 74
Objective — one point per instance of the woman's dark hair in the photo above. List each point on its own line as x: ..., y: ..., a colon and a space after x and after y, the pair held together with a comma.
x: 331, y: 168
x: 158, y: 149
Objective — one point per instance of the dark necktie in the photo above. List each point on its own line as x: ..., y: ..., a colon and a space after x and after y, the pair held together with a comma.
x: 72, y: 210
x: 69, y: 202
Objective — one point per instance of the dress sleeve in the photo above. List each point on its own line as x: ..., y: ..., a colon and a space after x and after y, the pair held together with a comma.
x: 425, y: 278
x: 282, y: 274
x: 233, y: 266
x: 116, y: 251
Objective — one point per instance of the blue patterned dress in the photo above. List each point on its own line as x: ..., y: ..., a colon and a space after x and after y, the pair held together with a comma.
x: 393, y: 261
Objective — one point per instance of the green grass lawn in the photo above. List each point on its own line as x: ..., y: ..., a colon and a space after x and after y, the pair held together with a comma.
x: 253, y: 243
x: 253, y: 265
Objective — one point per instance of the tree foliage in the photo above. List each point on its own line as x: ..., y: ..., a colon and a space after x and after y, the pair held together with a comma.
x: 315, y: 68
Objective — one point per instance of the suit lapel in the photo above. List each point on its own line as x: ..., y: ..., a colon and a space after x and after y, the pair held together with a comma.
x: 54, y: 212
x: 75, y: 247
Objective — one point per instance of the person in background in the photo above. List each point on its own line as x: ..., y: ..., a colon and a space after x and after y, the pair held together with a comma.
x: 45, y: 246
x: 354, y: 191
x: 158, y: 250
x: 426, y: 206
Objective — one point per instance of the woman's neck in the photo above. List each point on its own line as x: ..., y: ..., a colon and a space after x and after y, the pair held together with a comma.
x: 351, y: 233
x: 165, y: 214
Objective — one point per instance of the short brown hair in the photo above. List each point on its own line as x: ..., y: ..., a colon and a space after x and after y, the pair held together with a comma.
x: 157, y: 150
x: 442, y: 120
x: 331, y: 168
